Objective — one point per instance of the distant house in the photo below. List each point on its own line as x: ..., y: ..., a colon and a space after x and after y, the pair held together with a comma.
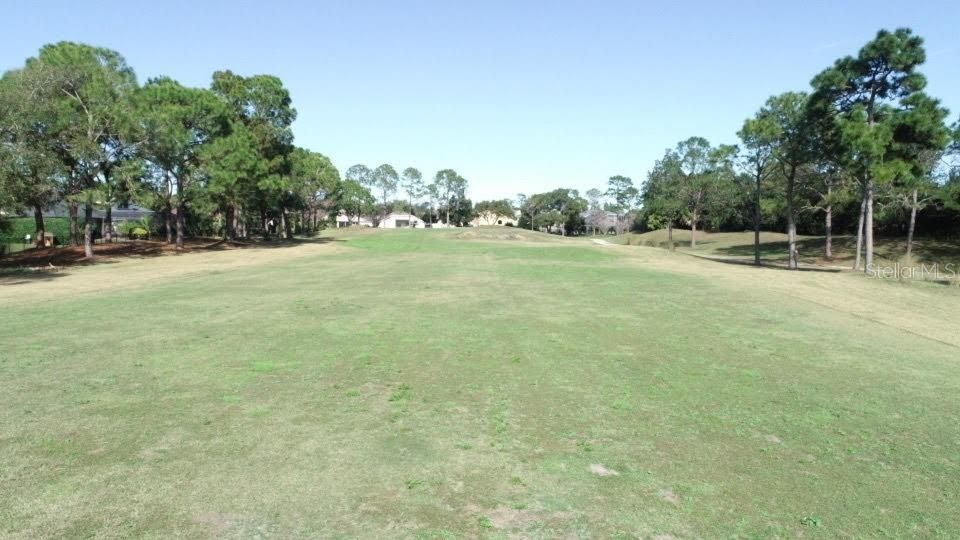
x: 119, y: 215
x: 601, y: 220
x: 397, y: 220
x: 345, y: 220
x: 394, y: 220
x: 492, y: 219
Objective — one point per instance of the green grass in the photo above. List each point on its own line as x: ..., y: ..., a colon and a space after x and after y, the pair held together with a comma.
x: 428, y: 384
x: 773, y: 247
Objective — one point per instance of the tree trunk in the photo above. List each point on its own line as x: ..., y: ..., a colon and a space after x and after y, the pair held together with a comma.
x: 88, y: 231
x: 863, y: 211
x: 180, y: 225
x: 792, y: 262
x: 756, y: 223
x: 168, y: 214
x: 693, y: 231
x: 181, y: 218
x: 828, y: 224
x: 38, y: 222
x: 670, y: 235
x: 74, y: 224
x: 911, y: 227
x: 285, y: 224
x: 108, y: 225
x: 230, y: 227
x: 868, y: 229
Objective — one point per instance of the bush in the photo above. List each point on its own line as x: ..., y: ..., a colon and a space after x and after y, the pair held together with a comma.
x: 137, y: 230
x: 12, y: 230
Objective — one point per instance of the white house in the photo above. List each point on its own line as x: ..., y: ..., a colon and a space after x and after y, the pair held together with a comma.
x: 397, y: 220
x: 344, y: 220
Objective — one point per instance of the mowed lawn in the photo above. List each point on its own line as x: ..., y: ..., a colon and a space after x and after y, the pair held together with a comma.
x: 475, y: 383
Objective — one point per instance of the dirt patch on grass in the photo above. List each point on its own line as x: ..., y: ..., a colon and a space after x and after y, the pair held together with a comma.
x: 600, y: 470
x: 216, y: 523
x: 669, y: 496
x: 505, y: 518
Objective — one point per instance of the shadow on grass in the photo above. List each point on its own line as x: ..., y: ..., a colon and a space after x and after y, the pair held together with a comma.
x: 66, y: 256
x: 768, y: 264
x: 925, y: 251
x: 9, y: 278
x: 807, y: 247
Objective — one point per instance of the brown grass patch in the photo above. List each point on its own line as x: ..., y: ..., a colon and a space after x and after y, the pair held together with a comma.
x: 669, y: 496
x: 155, y: 262
x: 600, y: 470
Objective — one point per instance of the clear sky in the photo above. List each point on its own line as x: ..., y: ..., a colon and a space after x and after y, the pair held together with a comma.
x: 517, y: 96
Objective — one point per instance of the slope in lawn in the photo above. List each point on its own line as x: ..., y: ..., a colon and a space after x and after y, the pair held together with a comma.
x: 411, y: 383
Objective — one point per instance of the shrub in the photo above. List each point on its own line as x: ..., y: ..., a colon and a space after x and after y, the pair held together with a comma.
x: 138, y: 230
x: 12, y: 230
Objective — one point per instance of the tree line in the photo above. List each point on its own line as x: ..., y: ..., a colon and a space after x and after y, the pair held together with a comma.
x: 864, y: 149
x: 864, y: 142
x: 442, y: 200
x: 77, y: 129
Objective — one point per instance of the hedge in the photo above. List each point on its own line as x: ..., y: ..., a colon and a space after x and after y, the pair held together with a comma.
x: 13, y: 230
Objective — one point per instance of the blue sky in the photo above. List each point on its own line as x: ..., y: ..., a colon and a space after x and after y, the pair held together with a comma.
x: 516, y: 96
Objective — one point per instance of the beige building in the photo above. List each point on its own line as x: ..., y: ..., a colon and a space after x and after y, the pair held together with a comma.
x: 395, y: 220
x: 490, y: 219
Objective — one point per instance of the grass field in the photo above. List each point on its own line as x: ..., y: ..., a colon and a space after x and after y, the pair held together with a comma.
x: 773, y: 247
x: 474, y: 383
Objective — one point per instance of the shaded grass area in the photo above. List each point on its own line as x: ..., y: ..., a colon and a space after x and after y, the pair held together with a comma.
x: 773, y: 247
x: 424, y: 384
x: 63, y: 256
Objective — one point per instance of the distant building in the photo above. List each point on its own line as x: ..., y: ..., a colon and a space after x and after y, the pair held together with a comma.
x: 601, y: 220
x: 398, y: 220
x: 487, y: 219
x: 394, y: 220
x: 119, y: 215
x: 345, y: 220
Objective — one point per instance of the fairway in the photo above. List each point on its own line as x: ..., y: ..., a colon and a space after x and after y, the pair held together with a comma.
x: 483, y: 382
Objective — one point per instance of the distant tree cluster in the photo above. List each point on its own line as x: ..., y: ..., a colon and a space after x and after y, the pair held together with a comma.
x: 864, y: 142
x: 444, y: 200
x: 78, y: 130
x: 559, y: 211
